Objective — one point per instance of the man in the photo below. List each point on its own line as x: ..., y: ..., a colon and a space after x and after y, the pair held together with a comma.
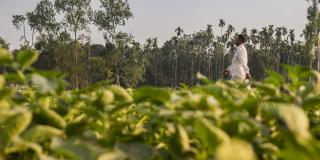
x: 239, y: 69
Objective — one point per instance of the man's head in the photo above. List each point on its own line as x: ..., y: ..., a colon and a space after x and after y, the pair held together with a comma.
x: 240, y: 40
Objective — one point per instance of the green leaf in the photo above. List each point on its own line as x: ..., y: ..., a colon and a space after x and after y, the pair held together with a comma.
x: 317, y: 84
x: 76, y: 128
x: 15, y: 77
x: 2, y: 82
x: 298, y: 74
x: 296, y: 120
x: 316, y: 132
x: 26, y: 58
x: 71, y: 150
x: 235, y: 150
x: 106, y: 97
x: 267, y: 89
x: 210, y: 136
x: 41, y: 133
x: 5, y: 56
x: 307, y: 89
x: 274, y: 78
x: 251, y: 104
x: 184, y: 138
x: 46, y: 157
x: 239, y: 124
x: 49, y: 117
x: 309, y: 102
x: 203, y: 78
x: 44, y: 85
x: 121, y: 95
x: 113, y: 155
x: 6, y: 93
x: 14, y: 125
x: 137, y: 151
x: 155, y: 95
x: 269, y: 148
x: 19, y: 145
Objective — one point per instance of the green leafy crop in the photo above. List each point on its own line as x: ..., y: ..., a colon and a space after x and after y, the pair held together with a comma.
x: 271, y: 120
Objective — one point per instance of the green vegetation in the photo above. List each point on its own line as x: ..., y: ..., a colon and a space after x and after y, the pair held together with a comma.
x: 64, y: 98
x: 62, y: 37
x: 220, y: 120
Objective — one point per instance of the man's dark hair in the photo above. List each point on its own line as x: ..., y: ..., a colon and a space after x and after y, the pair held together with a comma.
x: 242, y: 38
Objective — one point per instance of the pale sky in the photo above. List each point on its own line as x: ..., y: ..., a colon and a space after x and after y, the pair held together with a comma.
x: 159, y: 18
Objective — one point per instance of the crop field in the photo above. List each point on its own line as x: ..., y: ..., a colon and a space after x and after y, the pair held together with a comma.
x: 159, y: 80
x: 223, y: 120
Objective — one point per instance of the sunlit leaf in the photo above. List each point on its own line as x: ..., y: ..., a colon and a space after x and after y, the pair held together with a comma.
x: 49, y: 117
x: 274, y: 78
x: 296, y: 120
x: 14, y: 125
x: 235, y: 150
x: 184, y: 138
x: 41, y: 133
x: 121, y: 94
x: 26, y: 58
x: 210, y: 135
x: 45, y: 86
x: 113, y: 155
x: 20, y: 145
x: 5, y: 56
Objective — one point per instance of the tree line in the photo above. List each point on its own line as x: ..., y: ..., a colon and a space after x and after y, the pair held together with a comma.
x: 60, y: 32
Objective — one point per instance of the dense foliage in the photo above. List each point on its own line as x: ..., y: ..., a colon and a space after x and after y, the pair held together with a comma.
x: 219, y: 120
x: 277, y: 118
x: 61, y: 34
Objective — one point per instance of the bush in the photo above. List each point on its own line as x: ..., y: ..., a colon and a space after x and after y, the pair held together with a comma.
x: 220, y: 120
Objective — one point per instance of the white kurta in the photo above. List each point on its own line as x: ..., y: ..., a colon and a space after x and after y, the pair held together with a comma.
x: 239, y: 67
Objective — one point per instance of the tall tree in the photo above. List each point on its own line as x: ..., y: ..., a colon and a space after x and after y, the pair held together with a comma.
x: 112, y: 13
x: 179, y: 32
x: 311, y: 31
x: 43, y: 19
x: 77, y: 15
x: 210, y: 49
x: 155, y: 50
x: 254, y: 37
x: 222, y: 24
x: 3, y: 43
x: 19, y: 21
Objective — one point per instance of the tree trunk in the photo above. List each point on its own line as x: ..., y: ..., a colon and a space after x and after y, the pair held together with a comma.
x: 76, y: 60
x: 89, y: 65
x: 169, y: 77
x: 155, y: 69
x: 24, y: 33
x: 218, y: 66
x: 318, y: 53
x: 118, y: 77
x: 192, y: 74
x: 222, y: 65
x: 209, y: 65
x: 199, y: 64
x: 176, y: 73
x: 176, y: 70
x: 32, y: 37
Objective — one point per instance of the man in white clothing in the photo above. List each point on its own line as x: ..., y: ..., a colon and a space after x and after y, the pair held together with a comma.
x: 239, y: 69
